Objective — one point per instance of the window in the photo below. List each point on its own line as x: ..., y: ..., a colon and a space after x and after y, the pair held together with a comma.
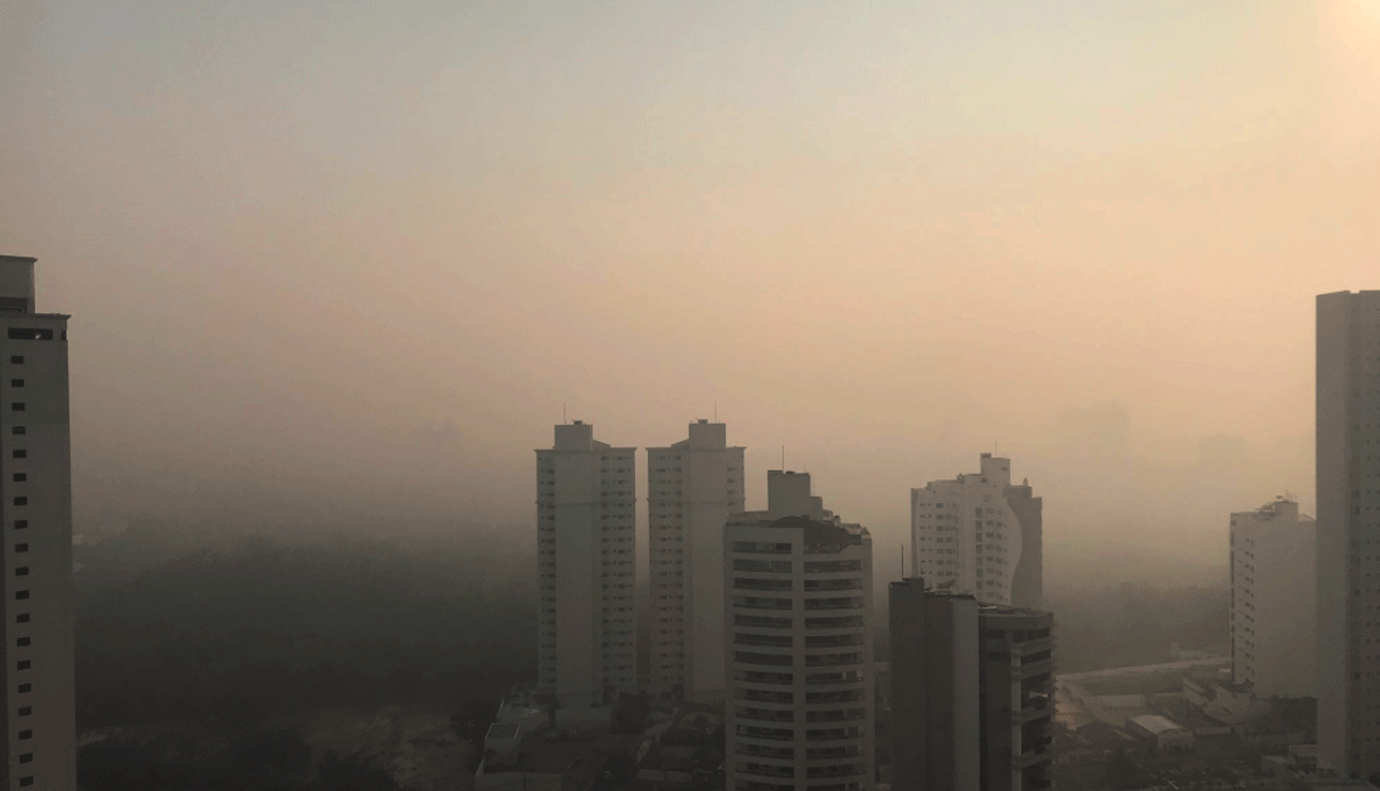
x: 17, y: 430
x: 21, y: 501
x: 26, y: 758
x: 24, y: 664
x: 21, y: 642
x: 16, y: 359
x: 26, y: 734
x: 16, y: 383
x: 20, y: 477
x: 26, y: 687
x: 25, y: 711
x: 26, y: 781
x: 23, y: 617
x: 20, y: 524
x: 21, y: 454
x: 21, y: 547
x: 21, y: 595
x: 17, y: 406
x: 22, y: 571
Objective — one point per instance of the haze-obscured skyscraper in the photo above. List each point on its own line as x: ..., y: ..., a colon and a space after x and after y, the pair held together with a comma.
x: 1273, y: 601
x: 799, y: 648
x: 693, y: 487
x: 1348, y: 569
x: 981, y: 535
x: 585, y: 562
x: 972, y: 692
x: 36, y: 510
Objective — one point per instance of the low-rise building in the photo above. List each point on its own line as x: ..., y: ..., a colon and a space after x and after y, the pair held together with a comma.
x: 1167, y: 734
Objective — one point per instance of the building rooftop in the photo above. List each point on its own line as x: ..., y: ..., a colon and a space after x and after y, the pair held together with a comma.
x: 1155, y: 723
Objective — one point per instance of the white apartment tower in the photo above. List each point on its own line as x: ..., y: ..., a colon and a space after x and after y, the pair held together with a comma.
x: 799, y: 648
x: 693, y: 487
x: 979, y: 534
x: 1273, y: 606
x: 36, y: 510
x: 585, y: 551
x: 1348, y: 568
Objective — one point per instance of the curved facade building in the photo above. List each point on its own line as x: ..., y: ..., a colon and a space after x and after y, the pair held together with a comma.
x: 979, y: 534
x: 798, y: 593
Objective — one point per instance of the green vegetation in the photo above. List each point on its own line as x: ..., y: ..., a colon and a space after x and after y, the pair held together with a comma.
x: 235, y: 639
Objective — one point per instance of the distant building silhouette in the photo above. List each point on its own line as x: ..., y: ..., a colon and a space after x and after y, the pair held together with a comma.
x: 1348, y: 570
x: 799, y: 646
x: 972, y: 692
x: 979, y: 534
x: 1273, y: 601
x: 693, y: 487
x: 39, y: 739
x: 585, y: 562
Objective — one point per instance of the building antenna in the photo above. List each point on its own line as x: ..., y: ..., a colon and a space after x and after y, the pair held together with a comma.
x: 783, y: 458
x: 564, y: 420
x: 903, y: 561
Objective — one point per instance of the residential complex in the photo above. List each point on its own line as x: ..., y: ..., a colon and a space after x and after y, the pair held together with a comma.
x: 585, y: 552
x: 39, y: 739
x: 1273, y: 602
x: 693, y: 487
x: 971, y: 692
x: 799, y: 595
x: 979, y: 534
x: 1348, y: 562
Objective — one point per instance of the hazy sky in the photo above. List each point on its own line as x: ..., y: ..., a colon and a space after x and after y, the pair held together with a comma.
x: 352, y: 257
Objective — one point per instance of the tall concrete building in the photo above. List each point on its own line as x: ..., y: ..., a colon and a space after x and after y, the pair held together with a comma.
x: 979, y: 534
x: 693, y: 487
x: 972, y: 706
x: 36, y: 510
x: 799, y: 647
x: 585, y: 552
x: 1348, y: 570
x: 1273, y: 602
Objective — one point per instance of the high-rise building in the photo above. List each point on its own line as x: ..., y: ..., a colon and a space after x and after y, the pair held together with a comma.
x: 1273, y: 602
x: 693, y: 487
x: 972, y: 705
x: 1348, y: 570
x: 979, y: 534
x: 35, y: 454
x: 585, y: 552
x: 934, y: 688
x: 799, y: 646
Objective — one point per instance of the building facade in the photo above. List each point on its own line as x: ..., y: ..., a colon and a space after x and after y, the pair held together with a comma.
x: 1348, y: 562
x: 1016, y: 689
x: 1273, y: 601
x: 36, y: 513
x: 693, y: 487
x: 799, y: 650
x: 972, y: 692
x: 585, y: 561
x: 935, y: 666
x: 979, y: 534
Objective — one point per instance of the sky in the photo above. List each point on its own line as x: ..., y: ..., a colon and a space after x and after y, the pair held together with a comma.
x: 348, y: 260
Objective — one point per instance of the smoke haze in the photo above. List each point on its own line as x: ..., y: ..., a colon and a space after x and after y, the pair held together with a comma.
x: 342, y: 261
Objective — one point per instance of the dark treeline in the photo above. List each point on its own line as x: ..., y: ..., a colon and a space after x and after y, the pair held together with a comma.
x: 1137, y: 624
x: 264, y: 629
